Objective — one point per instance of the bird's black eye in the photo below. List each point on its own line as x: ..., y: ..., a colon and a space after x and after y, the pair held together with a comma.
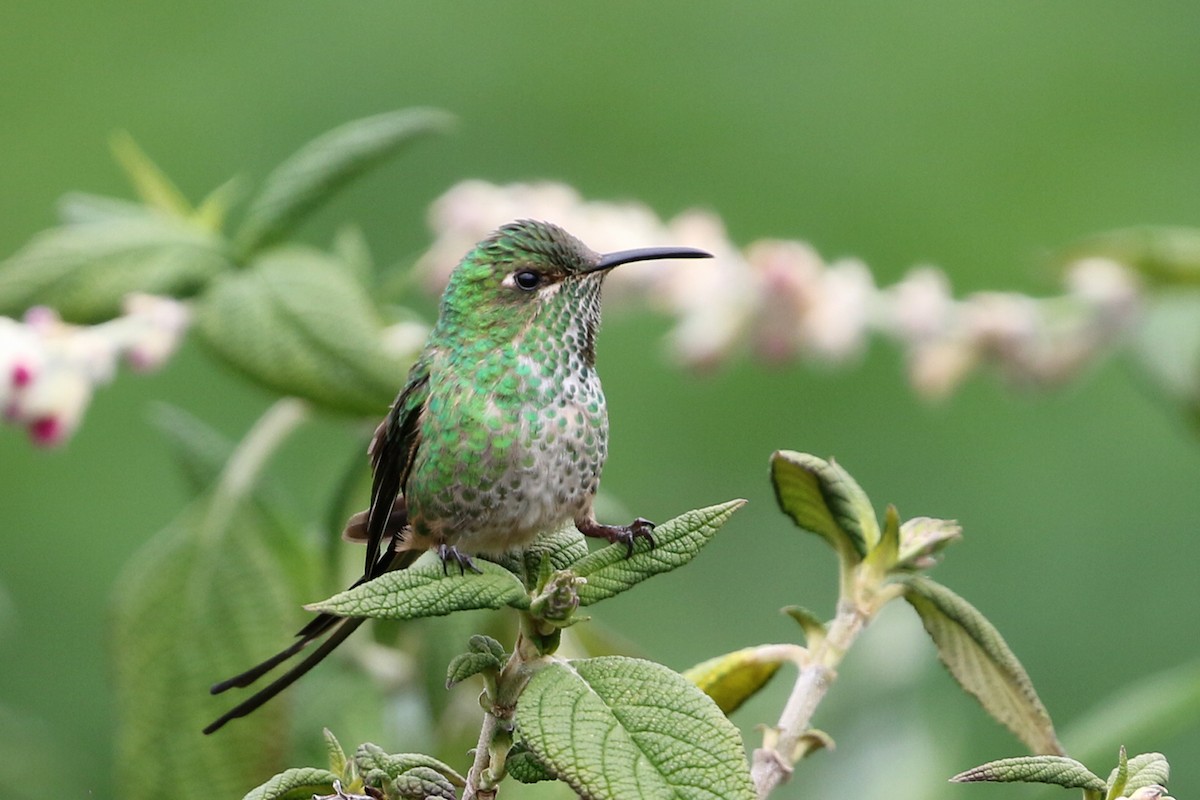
x: 527, y: 279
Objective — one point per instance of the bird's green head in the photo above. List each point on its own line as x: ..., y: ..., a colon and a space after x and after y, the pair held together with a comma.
x: 530, y: 272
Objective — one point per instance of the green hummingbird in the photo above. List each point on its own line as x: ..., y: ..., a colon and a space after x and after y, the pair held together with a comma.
x: 500, y: 432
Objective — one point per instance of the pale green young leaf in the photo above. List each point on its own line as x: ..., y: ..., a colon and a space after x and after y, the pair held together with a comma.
x: 80, y: 208
x: 333, y: 749
x: 615, y: 728
x: 610, y: 570
x: 1145, y: 769
x: 84, y: 271
x: 427, y: 590
x: 152, y: 185
x: 733, y: 678
x: 467, y: 665
x: 1055, y: 770
x: 315, y: 172
x: 298, y: 323
x: 199, y: 602
x: 1166, y: 343
x: 822, y: 498
x: 980, y: 660
x: 294, y: 784
x: 813, y: 627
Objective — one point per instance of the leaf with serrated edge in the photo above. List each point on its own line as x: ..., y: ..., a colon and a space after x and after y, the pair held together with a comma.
x: 734, y: 678
x: 333, y: 749
x: 817, y: 497
x: 318, y: 169
x: 1143, y: 770
x: 980, y: 660
x: 298, y: 323
x: 616, y: 728
x: 1056, y: 770
x: 295, y: 784
x: 425, y: 590
x: 608, y: 571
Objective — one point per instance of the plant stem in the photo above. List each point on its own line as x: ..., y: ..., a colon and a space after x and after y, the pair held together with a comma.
x: 483, y: 758
x: 789, y: 740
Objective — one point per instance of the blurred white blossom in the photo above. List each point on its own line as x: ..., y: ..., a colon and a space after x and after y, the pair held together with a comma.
x: 49, y: 368
x: 780, y: 300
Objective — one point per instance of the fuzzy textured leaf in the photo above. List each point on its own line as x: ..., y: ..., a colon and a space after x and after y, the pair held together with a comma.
x: 299, y: 324
x: 615, y: 728
x: 375, y: 765
x: 294, y: 784
x: 822, y: 498
x: 1146, y: 769
x: 608, y: 571
x: 317, y: 170
x: 84, y: 271
x: 211, y: 577
x: 734, y: 678
x: 523, y: 766
x: 466, y: 665
x: 980, y: 660
x: 425, y: 590
x: 1056, y: 770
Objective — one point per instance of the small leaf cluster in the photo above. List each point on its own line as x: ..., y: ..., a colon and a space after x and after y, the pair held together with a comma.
x: 295, y: 319
x: 1142, y: 777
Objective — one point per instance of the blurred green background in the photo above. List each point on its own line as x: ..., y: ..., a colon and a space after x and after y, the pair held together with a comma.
x: 971, y: 136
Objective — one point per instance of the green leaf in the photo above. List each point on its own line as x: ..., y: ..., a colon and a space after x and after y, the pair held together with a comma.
x: 198, y: 448
x: 466, y: 665
x: 619, y: 727
x: 425, y: 590
x: 84, y: 271
x: 337, y: 756
x: 922, y: 538
x: 608, y: 571
x: 1056, y: 770
x: 1159, y: 704
x: 814, y: 628
x: 152, y: 185
x: 316, y: 171
x: 1117, y: 778
x: 376, y: 766
x: 822, y: 498
x: 734, y: 678
x: 980, y: 660
x: 1147, y: 769
x: 81, y: 207
x: 298, y: 323
x: 199, y: 602
x: 295, y: 784
x: 523, y: 766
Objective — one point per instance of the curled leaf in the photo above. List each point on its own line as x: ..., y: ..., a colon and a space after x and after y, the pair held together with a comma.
x: 295, y: 784
x: 822, y: 498
x: 734, y: 678
x: 980, y: 660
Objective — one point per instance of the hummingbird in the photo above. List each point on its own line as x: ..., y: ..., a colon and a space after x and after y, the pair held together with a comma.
x: 500, y: 432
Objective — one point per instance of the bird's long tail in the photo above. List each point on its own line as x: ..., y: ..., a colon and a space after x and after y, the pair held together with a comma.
x: 318, y: 627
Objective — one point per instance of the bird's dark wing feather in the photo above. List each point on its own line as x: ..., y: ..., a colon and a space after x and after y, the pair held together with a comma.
x: 392, y: 450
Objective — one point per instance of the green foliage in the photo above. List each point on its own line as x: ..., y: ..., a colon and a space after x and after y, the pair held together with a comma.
x: 316, y: 171
x: 1056, y: 770
x: 734, y: 678
x: 980, y: 660
x: 299, y: 322
x: 822, y: 498
x: 617, y: 728
x: 295, y: 784
x: 609, y: 572
x: 1139, y: 772
x: 85, y: 270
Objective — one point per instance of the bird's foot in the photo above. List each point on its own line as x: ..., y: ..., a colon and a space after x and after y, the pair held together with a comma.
x: 620, y: 534
x: 449, y: 553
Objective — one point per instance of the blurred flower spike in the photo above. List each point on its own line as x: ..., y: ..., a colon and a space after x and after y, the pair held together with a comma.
x: 780, y: 300
x: 49, y: 369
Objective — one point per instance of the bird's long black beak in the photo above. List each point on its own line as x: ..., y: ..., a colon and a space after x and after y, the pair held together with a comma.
x: 610, y: 260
